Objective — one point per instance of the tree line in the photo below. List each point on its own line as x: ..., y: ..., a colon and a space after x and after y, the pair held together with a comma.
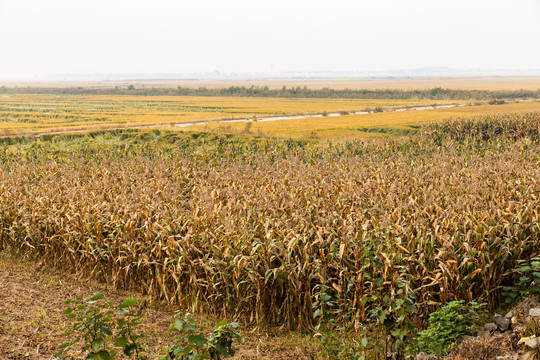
x: 436, y: 93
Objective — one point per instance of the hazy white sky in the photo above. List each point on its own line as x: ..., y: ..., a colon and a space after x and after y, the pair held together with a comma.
x: 42, y: 37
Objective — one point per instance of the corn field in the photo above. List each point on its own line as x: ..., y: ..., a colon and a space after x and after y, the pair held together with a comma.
x: 253, y: 227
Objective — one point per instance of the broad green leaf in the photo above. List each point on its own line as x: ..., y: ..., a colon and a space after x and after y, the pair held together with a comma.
x: 222, y: 323
x: 121, y: 341
x: 104, y: 329
x: 325, y: 297
x: 198, y: 339
x: 221, y: 348
x: 96, y: 296
x: 95, y: 345
x: 177, y: 325
x: 128, y: 302
x: 129, y: 348
x: 102, y: 355
x: 364, y: 342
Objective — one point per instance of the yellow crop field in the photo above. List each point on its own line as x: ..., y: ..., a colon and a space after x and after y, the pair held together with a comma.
x: 24, y: 113
x: 373, y: 124
x: 30, y: 113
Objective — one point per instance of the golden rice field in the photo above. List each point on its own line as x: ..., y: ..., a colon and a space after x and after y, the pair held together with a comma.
x: 26, y: 113
x: 362, y: 125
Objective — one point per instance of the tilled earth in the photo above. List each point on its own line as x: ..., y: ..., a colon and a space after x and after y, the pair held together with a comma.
x: 32, y: 323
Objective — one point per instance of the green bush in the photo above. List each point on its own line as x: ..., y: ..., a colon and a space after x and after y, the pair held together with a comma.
x: 335, y: 340
x: 447, y: 326
x: 385, y: 332
x: 191, y: 345
x: 526, y: 280
x: 94, y: 322
x: 105, y: 333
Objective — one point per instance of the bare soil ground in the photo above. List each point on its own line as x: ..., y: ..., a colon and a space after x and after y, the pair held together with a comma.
x: 32, y: 323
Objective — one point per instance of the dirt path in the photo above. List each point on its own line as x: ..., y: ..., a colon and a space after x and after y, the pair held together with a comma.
x: 32, y: 323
